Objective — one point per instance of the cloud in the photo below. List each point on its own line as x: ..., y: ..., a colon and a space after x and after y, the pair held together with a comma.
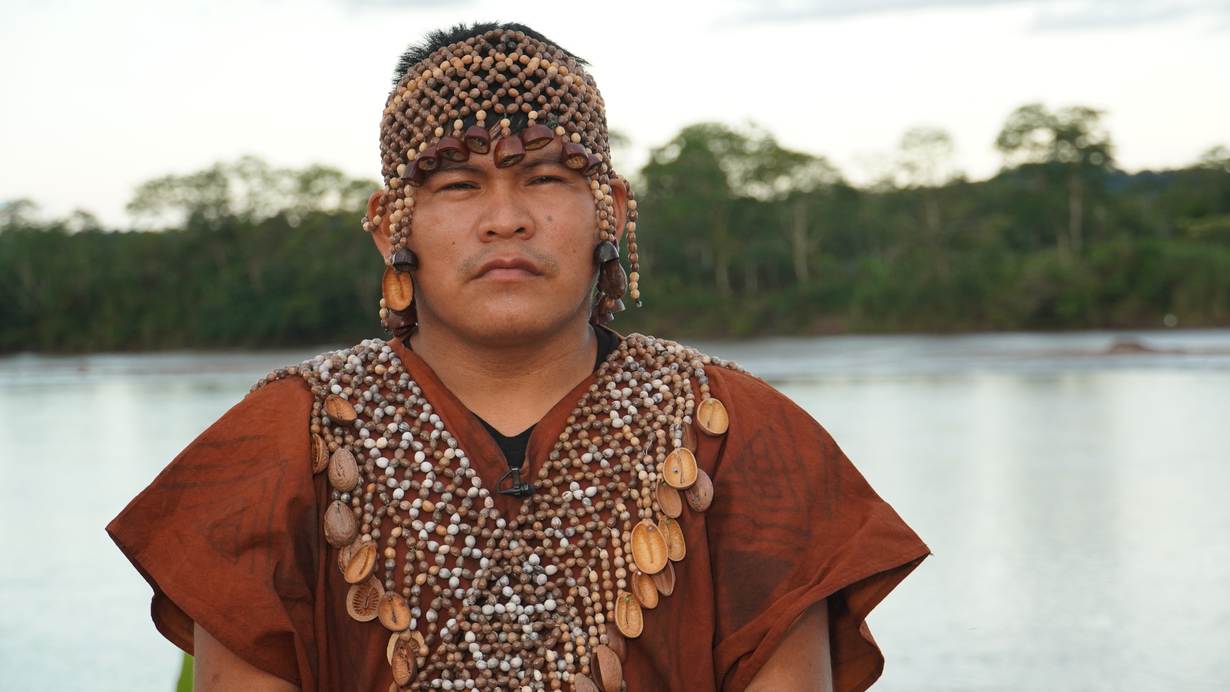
x: 789, y: 11
x: 1113, y: 14
x: 1049, y: 15
x: 403, y: 4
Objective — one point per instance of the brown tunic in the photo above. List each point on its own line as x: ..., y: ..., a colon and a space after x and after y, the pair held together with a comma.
x: 228, y: 535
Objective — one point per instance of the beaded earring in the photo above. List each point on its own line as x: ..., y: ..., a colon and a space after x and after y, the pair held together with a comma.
x: 397, y: 313
x: 612, y: 282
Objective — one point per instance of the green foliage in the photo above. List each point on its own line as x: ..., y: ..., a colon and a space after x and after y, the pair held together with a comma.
x: 739, y: 236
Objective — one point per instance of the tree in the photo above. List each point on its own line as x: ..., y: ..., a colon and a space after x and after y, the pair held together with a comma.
x: 1070, y: 145
x: 17, y: 212
x: 248, y: 191
x: 690, y: 191
x: 798, y: 185
x: 925, y: 157
x: 1216, y: 158
x: 705, y: 186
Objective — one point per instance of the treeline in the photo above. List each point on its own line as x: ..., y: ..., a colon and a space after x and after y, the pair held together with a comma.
x: 739, y: 236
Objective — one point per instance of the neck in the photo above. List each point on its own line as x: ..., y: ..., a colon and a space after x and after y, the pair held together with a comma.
x: 510, y: 385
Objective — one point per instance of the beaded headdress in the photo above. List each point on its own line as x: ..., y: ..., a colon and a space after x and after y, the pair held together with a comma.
x: 503, y: 92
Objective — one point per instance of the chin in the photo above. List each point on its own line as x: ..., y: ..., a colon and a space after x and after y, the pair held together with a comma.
x: 513, y: 321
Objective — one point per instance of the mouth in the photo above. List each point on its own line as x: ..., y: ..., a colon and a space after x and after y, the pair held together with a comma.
x: 508, y: 268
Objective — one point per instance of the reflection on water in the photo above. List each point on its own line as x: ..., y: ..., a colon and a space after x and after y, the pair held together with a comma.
x: 1073, y: 497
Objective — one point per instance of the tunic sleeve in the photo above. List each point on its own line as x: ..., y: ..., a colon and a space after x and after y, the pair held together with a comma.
x: 226, y: 534
x: 792, y: 523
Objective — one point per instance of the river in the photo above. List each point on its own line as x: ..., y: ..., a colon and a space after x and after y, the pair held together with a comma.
x: 1072, y: 487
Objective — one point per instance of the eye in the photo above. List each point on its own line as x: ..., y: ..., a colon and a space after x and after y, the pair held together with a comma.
x: 546, y: 179
x: 459, y: 185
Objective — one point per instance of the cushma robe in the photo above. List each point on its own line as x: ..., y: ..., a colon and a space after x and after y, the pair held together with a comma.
x: 229, y: 535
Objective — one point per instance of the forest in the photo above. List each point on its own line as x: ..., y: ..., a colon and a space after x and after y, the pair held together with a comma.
x: 739, y: 237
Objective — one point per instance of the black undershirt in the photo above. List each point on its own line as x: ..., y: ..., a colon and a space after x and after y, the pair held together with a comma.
x: 514, y: 446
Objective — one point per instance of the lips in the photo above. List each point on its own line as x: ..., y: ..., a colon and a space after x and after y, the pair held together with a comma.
x: 510, y: 263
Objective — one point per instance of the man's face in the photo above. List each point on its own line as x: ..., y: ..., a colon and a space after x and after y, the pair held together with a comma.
x: 505, y: 254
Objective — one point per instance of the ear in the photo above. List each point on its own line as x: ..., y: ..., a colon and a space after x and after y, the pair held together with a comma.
x: 380, y: 234
x: 619, y: 191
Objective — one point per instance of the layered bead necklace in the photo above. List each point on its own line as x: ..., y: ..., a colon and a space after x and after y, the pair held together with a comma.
x: 544, y: 599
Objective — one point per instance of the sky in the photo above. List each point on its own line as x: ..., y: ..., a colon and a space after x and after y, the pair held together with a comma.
x: 101, y: 96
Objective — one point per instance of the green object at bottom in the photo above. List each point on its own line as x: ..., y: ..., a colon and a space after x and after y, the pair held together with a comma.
x: 185, y: 676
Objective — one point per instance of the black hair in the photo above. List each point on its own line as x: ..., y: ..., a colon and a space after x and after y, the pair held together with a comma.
x: 439, y: 38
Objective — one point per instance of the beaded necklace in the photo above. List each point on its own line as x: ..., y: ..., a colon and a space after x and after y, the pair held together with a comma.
x: 475, y: 599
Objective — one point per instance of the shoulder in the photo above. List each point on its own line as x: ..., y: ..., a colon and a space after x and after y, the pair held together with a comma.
x: 318, y: 373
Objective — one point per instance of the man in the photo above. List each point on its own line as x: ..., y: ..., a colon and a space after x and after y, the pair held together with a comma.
x: 507, y: 494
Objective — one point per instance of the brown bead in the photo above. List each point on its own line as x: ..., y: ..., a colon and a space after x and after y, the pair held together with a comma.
x: 644, y: 589
x: 628, y: 616
x: 343, y: 470
x: 607, y: 668
x: 700, y: 495
x: 428, y: 160
x: 669, y: 500
x: 361, y: 563
x: 649, y: 550
x: 612, y: 281
x: 593, y: 164
x: 477, y: 139
x: 605, y: 252
x: 404, y: 260
x: 664, y: 581
x: 680, y: 470
x: 712, y: 418
x: 399, y: 321
x: 398, y: 289
x: 574, y: 156
x: 537, y: 136
x: 339, y: 409
x: 676, y: 547
x: 451, y: 149
x: 363, y: 600
x: 341, y: 527
x: 509, y: 151
x: 393, y: 612
x: 582, y: 683
x: 404, y: 663
x: 320, y: 454
x: 344, y: 554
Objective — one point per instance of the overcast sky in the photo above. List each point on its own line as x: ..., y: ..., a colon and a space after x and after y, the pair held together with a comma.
x: 100, y: 96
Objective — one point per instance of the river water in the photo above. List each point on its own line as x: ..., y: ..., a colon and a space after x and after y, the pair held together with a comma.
x: 1074, y: 495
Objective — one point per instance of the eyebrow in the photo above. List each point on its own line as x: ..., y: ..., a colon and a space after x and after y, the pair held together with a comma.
x: 529, y: 162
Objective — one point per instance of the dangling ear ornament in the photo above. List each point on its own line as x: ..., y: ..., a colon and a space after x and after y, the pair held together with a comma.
x: 612, y: 282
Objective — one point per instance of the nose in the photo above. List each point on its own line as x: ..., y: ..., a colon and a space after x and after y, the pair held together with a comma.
x: 508, y: 215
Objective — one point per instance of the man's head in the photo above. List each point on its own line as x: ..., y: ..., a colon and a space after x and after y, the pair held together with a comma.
x: 494, y: 149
